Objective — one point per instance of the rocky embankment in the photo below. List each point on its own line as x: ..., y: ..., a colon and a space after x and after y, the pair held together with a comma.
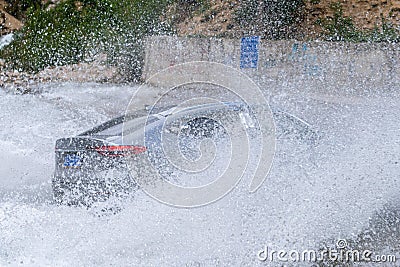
x: 96, y: 71
x: 216, y: 20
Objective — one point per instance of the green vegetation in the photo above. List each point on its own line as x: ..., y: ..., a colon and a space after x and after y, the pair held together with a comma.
x: 75, y: 31
x: 341, y: 28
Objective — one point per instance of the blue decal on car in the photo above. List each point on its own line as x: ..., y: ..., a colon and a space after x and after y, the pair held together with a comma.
x: 72, y: 160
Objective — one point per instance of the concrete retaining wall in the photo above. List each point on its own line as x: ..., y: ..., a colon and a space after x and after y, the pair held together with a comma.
x: 311, y: 67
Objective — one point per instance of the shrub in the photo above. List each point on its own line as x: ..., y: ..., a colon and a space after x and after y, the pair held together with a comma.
x: 75, y: 31
x: 341, y: 28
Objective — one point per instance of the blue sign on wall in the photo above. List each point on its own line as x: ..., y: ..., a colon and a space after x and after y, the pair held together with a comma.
x: 249, y: 52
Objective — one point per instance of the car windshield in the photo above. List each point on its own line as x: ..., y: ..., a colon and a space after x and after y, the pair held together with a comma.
x: 115, y: 127
x: 130, y: 121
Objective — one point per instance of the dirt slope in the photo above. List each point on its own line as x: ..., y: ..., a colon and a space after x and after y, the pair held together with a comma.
x: 218, y: 19
x: 7, y: 22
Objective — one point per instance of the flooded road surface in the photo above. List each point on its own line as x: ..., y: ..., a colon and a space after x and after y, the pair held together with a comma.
x: 329, y: 192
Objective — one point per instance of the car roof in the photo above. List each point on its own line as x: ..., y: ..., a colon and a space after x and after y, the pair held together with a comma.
x: 160, y: 112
